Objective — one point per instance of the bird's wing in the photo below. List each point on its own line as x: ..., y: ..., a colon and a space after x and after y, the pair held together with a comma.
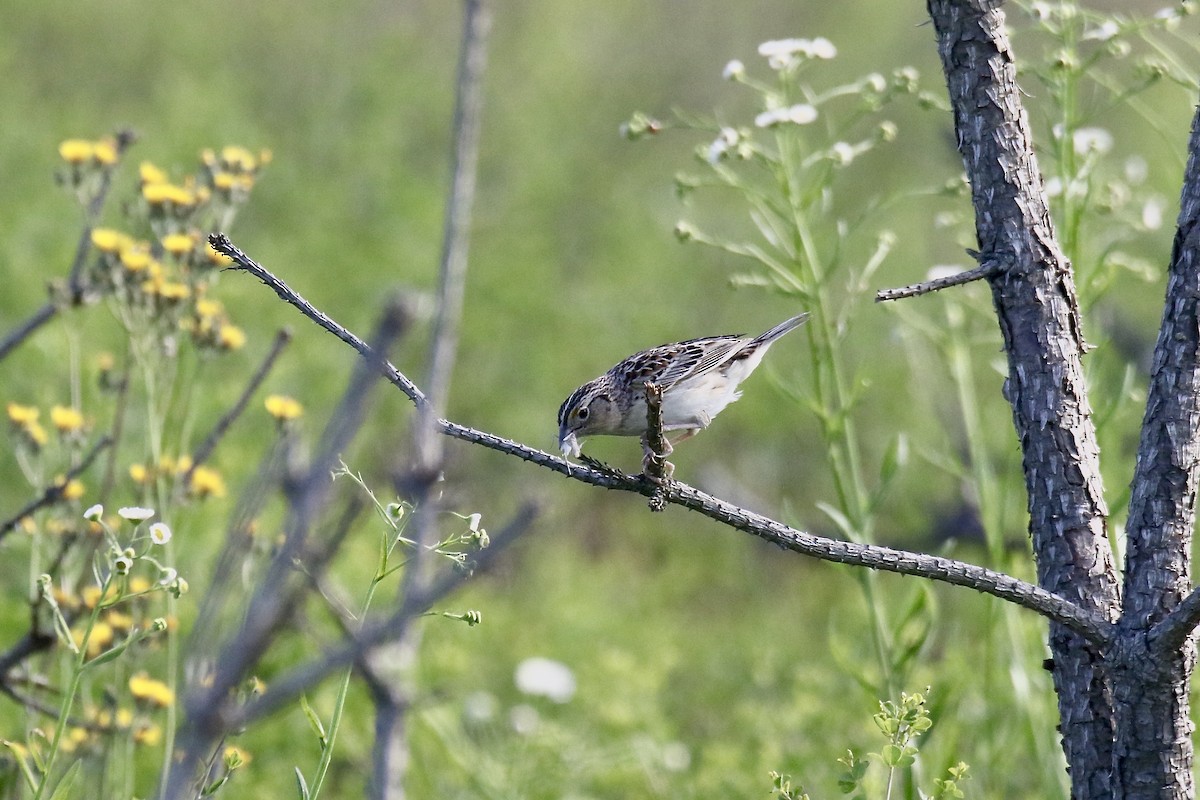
x: 697, y: 356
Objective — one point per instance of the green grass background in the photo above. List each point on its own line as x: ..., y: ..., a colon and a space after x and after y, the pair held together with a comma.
x: 684, y: 637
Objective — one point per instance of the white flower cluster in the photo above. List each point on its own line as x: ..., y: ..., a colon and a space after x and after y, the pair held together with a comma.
x: 782, y: 54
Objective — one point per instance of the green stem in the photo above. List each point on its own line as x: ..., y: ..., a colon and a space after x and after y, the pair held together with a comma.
x: 78, y: 664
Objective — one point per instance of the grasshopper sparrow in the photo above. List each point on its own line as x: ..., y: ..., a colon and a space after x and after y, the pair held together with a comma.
x: 698, y: 377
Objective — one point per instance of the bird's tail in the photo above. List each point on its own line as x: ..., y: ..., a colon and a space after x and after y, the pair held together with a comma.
x: 779, y: 330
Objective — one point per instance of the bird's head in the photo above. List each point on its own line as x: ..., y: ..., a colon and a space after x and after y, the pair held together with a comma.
x: 590, y: 410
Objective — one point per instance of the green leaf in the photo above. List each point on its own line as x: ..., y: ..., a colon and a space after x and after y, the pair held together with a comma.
x: 63, y: 790
x: 839, y: 519
x: 304, y: 795
x: 892, y: 755
x: 314, y: 721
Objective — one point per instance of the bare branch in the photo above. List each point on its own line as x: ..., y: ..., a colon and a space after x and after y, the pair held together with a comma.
x: 469, y: 94
x: 282, y: 338
x: 220, y: 242
x: 1090, y: 625
x: 912, y: 290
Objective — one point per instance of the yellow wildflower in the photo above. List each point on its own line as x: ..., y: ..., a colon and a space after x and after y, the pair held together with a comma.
x: 151, y: 690
x: 149, y: 735
x: 90, y: 595
x: 177, y: 244
x: 151, y: 174
x: 160, y: 193
x: 235, y: 757
x: 101, y: 637
x: 76, y: 151
x: 217, y: 259
x: 136, y: 257
x: 174, y: 290
x: 238, y: 159
x: 107, y: 240
x: 22, y: 415
x: 139, y: 584
x: 206, y: 482
x: 207, y: 308
x: 283, y: 408
x: 224, y: 181
x: 231, y: 337
x: 139, y: 473
x: 36, y: 433
x: 72, y: 489
x: 105, y: 152
x: 66, y: 419
x: 119, y: 620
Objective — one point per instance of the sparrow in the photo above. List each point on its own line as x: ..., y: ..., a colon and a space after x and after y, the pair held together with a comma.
x: 699, y: 378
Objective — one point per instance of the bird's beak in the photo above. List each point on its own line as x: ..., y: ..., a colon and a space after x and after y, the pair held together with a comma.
x: 567, y: 443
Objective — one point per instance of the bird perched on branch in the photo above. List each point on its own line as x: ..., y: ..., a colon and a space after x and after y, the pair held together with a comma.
x: 698, y: 377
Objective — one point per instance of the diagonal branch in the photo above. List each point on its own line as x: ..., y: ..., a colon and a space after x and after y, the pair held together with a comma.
x: 282, y: 338
x: 1088, y: 624
x: 1162, y: 509
x: 54, y: 492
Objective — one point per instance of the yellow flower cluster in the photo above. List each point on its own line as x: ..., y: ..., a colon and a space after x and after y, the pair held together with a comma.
x: 205, y: 481
x: 83, y: 152
x: 234, y: 170
x: 150, y: 691
x: 24, y: 422
x: 283, y: 408
x: 210, y: 326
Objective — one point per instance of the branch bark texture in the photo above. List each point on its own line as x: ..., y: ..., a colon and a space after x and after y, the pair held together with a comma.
x: 1152, y: 675
x: 1038, y: 313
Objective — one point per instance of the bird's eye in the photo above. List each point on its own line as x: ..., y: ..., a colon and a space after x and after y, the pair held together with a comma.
x: 582, y: 413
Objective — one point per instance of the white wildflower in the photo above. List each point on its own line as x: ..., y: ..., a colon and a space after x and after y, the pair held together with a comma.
x: 136, y: 513
x: 543, y: 677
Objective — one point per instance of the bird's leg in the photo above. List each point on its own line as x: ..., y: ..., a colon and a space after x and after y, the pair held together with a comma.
x: 655, y: 447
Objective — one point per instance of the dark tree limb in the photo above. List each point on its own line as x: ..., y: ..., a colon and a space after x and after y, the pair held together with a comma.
x: 1151, y: 679
x: 1039, y: 320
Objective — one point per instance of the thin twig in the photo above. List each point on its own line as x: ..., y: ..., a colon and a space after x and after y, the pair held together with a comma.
x: 26, y: 328
x: 282, y: 338
x: 985, y: 270
x: 54, y: 492
x: 1091, y: 626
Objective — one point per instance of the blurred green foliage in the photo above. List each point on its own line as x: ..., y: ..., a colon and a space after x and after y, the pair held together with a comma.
x: 703, y: 660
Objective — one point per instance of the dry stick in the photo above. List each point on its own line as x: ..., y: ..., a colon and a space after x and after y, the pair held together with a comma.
x: 282, y: 338
x: 54, y: 493
x: 986, y: 269
x: 390, y: 751
x: 1091, y: 626
x: 75, y: 287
